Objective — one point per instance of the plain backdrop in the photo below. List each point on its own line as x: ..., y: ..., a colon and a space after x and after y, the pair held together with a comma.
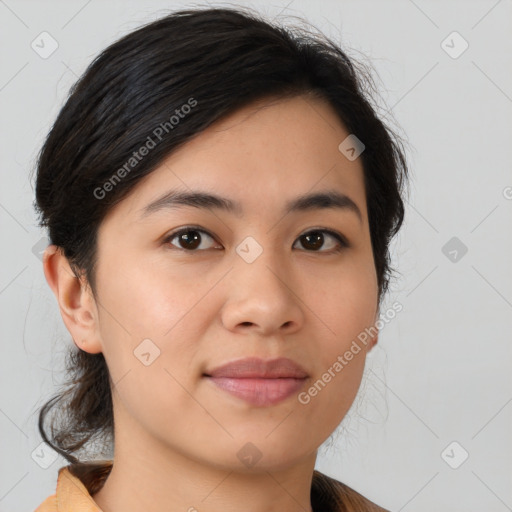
x: 430, y: 429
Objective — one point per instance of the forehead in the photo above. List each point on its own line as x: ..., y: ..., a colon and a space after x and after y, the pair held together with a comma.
x: 262, y: 156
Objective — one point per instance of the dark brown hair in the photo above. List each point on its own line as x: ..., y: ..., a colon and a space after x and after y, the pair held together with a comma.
x: 175, y: 77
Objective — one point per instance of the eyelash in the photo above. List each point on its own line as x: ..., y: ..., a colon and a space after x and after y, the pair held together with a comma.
x: 343, y: 243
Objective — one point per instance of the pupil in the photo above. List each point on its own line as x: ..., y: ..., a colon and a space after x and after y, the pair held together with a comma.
x: 195, y: 238
x: 319, y: 239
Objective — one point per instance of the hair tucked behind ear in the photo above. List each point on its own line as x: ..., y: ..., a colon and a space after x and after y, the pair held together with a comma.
x: 213, y: 61
x: 87, y: 403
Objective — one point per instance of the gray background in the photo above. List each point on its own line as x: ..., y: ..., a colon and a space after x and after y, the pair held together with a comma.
x: 441, y: 371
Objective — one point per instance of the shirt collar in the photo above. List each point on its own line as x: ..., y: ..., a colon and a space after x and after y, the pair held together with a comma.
x: 76, y: 483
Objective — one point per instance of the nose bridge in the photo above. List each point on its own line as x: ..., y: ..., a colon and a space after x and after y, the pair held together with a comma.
x: 261, y: 261
x: 260, y: 272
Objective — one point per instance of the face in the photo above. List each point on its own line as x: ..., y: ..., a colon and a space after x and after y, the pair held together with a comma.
x: 252, y: 281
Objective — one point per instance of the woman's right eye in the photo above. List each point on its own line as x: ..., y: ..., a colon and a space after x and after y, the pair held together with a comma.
x: 189, y: 238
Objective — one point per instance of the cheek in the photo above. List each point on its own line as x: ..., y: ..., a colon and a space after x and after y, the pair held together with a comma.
x: 151, y: 324
x: 147, y: 301
x: 345, y: 306
x: 345, y: 303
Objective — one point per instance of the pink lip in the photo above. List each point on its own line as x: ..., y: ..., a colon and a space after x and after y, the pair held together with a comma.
x: 254, y: 367
x: 259, y: 382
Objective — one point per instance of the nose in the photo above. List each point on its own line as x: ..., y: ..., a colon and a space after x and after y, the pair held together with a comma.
x: 263, y: 297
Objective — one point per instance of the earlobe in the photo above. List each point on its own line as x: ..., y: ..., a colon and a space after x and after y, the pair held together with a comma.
x: 375, y: 338
x: 76, y: 302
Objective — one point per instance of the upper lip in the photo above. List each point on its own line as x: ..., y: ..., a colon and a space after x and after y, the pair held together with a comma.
x: 254, y: 367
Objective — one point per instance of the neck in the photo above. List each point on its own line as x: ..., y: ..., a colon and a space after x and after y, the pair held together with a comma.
x: 136, y: 483
x: 160, y: 479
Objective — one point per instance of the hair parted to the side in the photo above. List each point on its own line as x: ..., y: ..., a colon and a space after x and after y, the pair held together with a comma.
x: 219, y: 60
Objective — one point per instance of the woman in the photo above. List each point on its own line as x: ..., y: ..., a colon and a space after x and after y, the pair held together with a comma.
x: 220, y: 196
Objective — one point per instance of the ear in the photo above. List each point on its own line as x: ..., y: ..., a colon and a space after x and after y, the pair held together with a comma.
x: 375, y: 338
x: 373, y: 341
x: 75, y: 298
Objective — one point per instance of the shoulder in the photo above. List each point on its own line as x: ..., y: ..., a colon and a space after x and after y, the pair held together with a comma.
x: 48, y: 505
x: 76, y: 484
x: 333, y: 495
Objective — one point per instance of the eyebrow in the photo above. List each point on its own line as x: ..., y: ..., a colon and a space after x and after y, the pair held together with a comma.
x: 327, y: 199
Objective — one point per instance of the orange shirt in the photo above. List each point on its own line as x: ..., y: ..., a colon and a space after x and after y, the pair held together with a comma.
x: 75, y: 485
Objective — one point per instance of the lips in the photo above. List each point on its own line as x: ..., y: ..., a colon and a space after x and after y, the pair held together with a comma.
x: 253, y: 367
x: 259, y: 382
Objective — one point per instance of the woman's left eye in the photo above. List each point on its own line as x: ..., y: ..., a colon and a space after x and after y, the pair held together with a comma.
x: 190, y: 239
x: 316, y: 238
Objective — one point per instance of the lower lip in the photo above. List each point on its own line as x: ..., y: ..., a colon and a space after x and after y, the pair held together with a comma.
x: 260, y: 392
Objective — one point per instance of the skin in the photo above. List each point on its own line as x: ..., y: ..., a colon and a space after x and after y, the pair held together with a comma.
x: 176, y: 434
